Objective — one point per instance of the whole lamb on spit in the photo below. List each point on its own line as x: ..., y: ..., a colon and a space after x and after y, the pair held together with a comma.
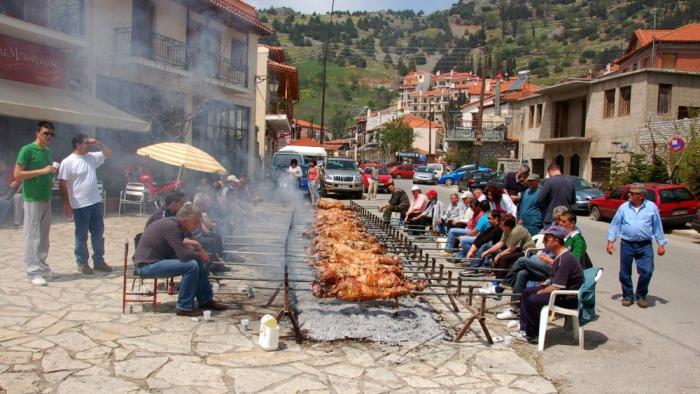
x: 353, y: 265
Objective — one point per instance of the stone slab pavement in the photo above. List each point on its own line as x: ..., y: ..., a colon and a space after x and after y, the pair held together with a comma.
x: 71, y: 337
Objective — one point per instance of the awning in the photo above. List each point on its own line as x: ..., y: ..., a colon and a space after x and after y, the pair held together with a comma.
x: 278, y: 122
x: 22, y: 100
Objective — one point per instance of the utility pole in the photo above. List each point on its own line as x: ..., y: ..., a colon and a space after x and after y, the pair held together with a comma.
x: 430, y: 133
x: 478, y: 135
x: 325, y: 64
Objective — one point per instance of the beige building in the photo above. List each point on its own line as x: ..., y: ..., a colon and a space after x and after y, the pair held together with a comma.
x: 134, y: 72
x: 581, y: 124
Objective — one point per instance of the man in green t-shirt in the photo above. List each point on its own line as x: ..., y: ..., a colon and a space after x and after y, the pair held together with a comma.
x: 35, y: 170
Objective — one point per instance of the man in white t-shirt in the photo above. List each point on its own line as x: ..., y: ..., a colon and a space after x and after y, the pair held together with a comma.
x: 82, y: 200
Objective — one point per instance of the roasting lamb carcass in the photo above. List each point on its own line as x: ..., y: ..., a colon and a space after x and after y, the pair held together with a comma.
x: 327, y: 203
x: 351, y: 289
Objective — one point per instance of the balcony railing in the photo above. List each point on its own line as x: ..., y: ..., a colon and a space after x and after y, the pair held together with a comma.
x: 230, y: 72
x: 171, y: 52
x: 66, y: 16
x: 492, y: 131
x: 161, y: 48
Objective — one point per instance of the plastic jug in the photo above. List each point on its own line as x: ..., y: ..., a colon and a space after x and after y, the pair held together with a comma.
x: 269, y: 333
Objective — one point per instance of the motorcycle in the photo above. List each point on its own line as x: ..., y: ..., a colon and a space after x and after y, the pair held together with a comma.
x: 155, y: 191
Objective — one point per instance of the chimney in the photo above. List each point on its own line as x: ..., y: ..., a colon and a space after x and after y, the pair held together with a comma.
x: 497, y: 98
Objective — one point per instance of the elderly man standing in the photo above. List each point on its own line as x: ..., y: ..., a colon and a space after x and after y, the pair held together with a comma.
x: 35, y: 170
x: 83, y: 202
x: 164, y: 239
x: 398, y: 202
x: 529, y: 214
x: 636, y: 222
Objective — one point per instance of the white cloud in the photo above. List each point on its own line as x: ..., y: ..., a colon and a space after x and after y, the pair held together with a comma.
x: 323, y: 6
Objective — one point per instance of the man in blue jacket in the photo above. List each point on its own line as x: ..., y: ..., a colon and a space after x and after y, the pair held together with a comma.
x: 636, y: 223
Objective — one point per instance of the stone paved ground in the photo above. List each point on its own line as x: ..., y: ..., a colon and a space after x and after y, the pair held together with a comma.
x: 71, y: 337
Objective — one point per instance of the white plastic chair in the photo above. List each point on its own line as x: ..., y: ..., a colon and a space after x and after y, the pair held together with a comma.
x: 538, y: 239
x: 571, y: 315
x: 133, y: 194
x: 103, y: 194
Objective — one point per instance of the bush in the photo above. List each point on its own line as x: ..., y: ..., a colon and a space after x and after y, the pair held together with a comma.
x: 690, y: 163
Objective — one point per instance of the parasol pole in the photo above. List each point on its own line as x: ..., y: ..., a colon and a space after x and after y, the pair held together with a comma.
x: 179, y: 173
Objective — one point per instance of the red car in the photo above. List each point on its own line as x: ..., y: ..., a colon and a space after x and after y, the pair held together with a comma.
x: 676, y: 203
x: 404, y: 171
x: 384, y: 178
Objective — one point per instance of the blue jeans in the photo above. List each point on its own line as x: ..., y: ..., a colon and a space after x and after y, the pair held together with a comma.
x: 524, y: 270
x: 478, y: 260
x: 90, y: 218
x: 452, y: 235
x: 465, y: 243
x: 643, y: 254
x: 195, y: 280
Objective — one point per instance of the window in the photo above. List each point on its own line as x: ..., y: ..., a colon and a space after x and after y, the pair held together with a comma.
x: 560, y: 161
x: 239, y: 56
x: 538, y: 116
x: 538, y: 167
x: 675, y: 195
x: 651, y: 196
x: 625, y: 98
x: 575, y: 163
x: 609, y: 104
x: 688, y: 112
x: 531, y: 119
x: 616, y: 194
x: 663, y: 103
x: 600, y: 169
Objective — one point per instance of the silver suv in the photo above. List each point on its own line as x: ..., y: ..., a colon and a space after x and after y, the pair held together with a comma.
x: 341, y: 176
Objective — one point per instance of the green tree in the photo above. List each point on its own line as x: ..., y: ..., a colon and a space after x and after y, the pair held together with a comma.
x: 396, y: 136
x: 690, y: 162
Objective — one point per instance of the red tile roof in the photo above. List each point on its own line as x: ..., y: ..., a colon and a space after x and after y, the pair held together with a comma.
x: 276, y: 53
x: 641, y: 39
x: 416, y: 122
x: 244, y: 12
x: 306, y: 124
x: 306, y: 142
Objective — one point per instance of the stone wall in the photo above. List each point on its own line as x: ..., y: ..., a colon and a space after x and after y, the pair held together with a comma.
x: 490, y: 151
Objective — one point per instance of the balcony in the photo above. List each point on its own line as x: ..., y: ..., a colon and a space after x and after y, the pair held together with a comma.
x: 60, y: 24
x: 161, y: 49
x: 172, y: 55
x: 492, y: 131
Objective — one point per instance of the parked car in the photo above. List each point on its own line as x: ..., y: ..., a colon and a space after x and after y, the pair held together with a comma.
x: 438, y: 169
x: 402, y: 171
x: 585, y: 192
x: 424, y: 174
x: 677, y: 206
x: 453, y: 177
x: 341, y: 176
x: 384, y: 178
x: 476, y: 179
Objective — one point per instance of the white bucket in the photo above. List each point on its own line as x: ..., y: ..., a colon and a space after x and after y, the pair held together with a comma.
x: 441, y: 242
x: 269, y: 333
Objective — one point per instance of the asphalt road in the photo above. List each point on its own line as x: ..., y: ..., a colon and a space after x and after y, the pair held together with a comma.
x: 629, y: 349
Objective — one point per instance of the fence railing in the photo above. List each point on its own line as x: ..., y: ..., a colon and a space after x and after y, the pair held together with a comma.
x: 171, y: 52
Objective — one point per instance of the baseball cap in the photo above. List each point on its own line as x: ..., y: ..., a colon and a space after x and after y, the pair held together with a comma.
x: 432, y: 193
x: 533, y: 177
x: 414, y: 188
x: 232, y: 178
x: 467, y: 194
x: 556, y: 231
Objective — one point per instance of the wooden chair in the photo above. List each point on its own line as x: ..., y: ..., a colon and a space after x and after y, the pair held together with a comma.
x: 136, y: 296
x: 133, y: 194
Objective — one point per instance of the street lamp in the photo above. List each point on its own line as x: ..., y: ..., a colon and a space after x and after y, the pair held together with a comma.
x: 273, y: 84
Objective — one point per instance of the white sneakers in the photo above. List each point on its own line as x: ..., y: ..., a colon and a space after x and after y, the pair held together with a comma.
x: 38, y: 281
x: 489, y: 290
x: 507, y: 315
x: 513, y: 324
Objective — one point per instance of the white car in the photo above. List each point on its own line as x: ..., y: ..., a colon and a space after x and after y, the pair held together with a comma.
x: 438, y: 169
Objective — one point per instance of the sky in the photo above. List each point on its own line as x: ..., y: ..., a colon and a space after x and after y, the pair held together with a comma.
x: 323, y: 6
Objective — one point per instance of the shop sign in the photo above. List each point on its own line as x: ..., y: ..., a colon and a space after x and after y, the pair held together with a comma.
x: 28, y: 62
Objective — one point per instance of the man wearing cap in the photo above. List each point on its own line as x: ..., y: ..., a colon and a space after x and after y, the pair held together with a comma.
x: 420, y: 202
x: 566, y: 275
x: 636, y: 222
x: 452, y: 212
x: 398, y: 202
x: 432, y: 213
x: 529, y: 214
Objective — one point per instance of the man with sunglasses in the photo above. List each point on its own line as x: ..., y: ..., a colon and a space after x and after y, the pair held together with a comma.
x: 636, y: 222
x: 82, y: 200
x: 33, y: 167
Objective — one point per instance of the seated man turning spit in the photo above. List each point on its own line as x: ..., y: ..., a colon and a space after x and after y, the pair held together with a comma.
x: 164, y: 239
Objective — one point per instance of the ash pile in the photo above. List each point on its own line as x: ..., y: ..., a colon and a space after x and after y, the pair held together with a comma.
x: 361, y: 292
